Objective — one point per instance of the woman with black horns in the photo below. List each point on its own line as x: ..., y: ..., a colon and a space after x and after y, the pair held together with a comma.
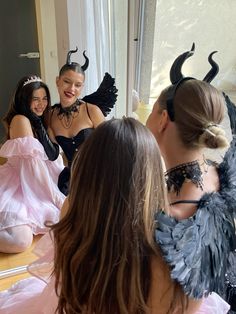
x: 73, y: 119
x: 197, y: 236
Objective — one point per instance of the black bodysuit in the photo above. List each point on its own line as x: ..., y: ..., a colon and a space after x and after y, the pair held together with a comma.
x: 104, y: 98
x: 70, y: 145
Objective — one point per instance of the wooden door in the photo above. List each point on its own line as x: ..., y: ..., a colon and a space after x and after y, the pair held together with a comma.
x: 18, y: 38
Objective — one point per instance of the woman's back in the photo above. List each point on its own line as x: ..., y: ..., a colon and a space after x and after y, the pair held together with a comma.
x: 199, y: 237
x: 185, y: 203
x: 105, y: 243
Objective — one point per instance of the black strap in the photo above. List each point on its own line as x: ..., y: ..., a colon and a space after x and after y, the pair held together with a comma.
x: 86, y: 104
x: 185, y: 202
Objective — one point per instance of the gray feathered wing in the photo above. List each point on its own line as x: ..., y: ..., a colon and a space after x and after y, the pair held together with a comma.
x: 198, y: 248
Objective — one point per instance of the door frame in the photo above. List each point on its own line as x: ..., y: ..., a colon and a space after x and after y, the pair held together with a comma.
x: 47, y: 39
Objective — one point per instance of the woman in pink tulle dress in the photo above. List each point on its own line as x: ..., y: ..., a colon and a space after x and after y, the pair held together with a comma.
x: 29, y: 196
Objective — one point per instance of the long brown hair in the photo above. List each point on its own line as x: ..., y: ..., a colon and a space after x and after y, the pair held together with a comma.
x: 104, y: 242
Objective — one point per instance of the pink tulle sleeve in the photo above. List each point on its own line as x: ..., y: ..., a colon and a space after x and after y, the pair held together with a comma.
x: 213, y: 304
x: 23, y: 147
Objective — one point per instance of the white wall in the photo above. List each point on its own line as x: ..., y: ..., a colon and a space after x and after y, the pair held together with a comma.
x: 46, y: 24
x: 62, y: 31
x: 210, y: 24
x: 120, y: 53
x: 88, y: 26
x: 104, y: 37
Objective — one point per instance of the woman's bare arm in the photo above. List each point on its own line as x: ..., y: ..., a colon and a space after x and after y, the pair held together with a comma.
x: 20, y: 127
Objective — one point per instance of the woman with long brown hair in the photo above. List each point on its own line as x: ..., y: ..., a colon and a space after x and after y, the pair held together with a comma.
x: 106, y: 260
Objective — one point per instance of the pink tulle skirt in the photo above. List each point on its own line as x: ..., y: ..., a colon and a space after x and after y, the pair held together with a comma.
x: 28, y: 191
x: 34, y: 295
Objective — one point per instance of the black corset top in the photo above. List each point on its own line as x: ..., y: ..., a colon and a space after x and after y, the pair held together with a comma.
x: 70, y: 145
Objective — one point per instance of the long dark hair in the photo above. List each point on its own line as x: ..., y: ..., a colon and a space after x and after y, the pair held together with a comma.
x: 104, y: 243
x: 22, y: 97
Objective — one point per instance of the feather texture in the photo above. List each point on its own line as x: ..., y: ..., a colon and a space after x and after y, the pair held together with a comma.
x: 231, y: 112
x: 105, y: 96
x: 198, y: 248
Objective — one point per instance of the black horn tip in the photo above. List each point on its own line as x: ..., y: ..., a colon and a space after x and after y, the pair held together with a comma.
x: 193, y: 47
x: 86, y: 64
x: 210, y: 59
x: 212, y: 53
x: 68, y: 61
x: 175, y: 71
x: 74, y: 50
x: 214, y: 69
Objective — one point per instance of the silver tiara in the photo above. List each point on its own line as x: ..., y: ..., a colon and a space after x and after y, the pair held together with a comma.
x: 32, y: 79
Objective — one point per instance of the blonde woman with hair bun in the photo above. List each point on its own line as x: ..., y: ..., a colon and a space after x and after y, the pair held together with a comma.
x: 213, y: 136
x: 197, y: 238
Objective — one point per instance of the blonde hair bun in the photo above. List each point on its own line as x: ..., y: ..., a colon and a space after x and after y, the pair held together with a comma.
x: 213, y: 136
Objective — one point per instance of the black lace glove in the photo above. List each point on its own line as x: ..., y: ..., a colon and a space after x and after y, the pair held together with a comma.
x: 51, y: 149
x: 64, y: 181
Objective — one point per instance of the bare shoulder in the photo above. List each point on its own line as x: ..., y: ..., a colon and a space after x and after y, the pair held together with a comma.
x: 20, y: 127
x: 164, y: 291
x: 94, y: 108
x: 64, y: 208
x: 161, y: 273
x: 19, y: 118
x: 162, y: 287
x: 20, y: 121
x: 95, y: 114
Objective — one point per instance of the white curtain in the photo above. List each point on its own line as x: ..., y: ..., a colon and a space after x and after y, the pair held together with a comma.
x: 89, y: 30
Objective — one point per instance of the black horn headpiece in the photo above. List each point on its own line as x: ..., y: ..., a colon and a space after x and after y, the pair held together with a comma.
x: 214, y: 69
x: 86, y: 63
x: 177, y: 78
x: 68, y: 59
x: 176, y: 68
